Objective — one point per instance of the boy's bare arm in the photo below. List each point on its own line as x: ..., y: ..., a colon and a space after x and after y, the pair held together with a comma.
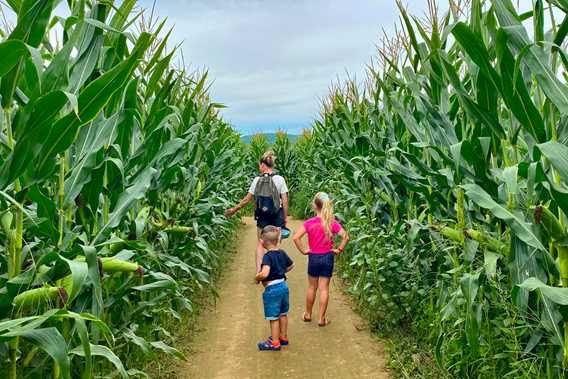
x: 262, y: 274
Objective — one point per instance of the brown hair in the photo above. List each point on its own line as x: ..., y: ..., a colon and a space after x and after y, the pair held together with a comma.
x: 324, y: 204
x: 268, y: 159
x: 270, y: 235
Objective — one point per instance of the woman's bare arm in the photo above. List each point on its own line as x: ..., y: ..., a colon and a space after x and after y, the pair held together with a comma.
x: 231, y: 211
x: 285, y: 207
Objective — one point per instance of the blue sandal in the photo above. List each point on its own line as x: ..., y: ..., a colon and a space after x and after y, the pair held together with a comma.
x: 267, y: 345
x: 282, y: 342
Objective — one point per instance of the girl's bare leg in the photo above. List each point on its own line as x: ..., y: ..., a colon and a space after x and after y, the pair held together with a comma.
x: 323, y: 284
x: 311, y: 295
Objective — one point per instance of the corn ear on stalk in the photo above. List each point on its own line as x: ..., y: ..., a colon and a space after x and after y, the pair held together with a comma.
x: 179, y: 230
x: 482, y: 237
x: 6, y: 221
x: 548, y: 220
x: 34, y: 297
x: 113, y: 265
x: 449, y: 233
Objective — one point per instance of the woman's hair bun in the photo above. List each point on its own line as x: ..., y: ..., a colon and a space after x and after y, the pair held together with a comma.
x: 268, y: 158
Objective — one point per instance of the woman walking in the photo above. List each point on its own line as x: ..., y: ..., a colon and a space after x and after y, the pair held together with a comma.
x: 321, y: 231
x: 270, y: 193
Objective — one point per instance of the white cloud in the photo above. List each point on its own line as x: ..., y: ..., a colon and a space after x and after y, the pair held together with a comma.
x: 272, y: 61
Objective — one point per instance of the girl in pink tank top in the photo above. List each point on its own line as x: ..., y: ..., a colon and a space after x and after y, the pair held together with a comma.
x: 321, y: 231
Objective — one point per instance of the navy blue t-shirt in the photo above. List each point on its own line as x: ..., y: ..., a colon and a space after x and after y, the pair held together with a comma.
x: 279, y: 262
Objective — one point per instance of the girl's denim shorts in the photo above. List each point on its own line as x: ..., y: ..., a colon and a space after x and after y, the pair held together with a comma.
x: 320, y: 265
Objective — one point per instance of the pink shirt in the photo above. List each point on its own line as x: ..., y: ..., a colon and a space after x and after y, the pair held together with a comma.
x: 317, y: 240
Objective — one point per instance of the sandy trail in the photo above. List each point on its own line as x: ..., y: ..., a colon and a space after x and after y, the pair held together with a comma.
x: 226, y: 347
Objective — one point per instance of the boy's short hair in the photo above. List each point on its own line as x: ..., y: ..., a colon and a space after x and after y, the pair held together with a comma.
x: 270, y: 234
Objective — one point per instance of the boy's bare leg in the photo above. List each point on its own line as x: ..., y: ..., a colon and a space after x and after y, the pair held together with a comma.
x: 283, y: 327
x: 323, y: 297
x: 275, y: 330
x: 311, y: 295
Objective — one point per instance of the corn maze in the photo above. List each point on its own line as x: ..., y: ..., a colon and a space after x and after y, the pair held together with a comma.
x: 449, y: 166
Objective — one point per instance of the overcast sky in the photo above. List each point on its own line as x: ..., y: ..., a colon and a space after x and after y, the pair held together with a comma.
x: 273, y: 60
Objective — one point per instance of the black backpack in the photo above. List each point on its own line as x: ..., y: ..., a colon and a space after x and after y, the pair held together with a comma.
x: 267, y: 197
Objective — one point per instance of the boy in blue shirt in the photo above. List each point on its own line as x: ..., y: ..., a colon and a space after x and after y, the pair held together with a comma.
x: 275, y: 264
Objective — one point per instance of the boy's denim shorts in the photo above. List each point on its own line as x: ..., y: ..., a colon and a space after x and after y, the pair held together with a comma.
x: 320, y: 265
x: 275, y: 299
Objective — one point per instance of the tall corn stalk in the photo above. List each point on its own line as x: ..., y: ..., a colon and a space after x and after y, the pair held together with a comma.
x: 113, y: 181
x: 460, y: 124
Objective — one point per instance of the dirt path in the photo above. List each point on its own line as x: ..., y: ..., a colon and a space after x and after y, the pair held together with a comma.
x: 227, y: 345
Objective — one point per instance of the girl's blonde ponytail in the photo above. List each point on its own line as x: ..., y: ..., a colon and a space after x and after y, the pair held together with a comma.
x: 324, y: 204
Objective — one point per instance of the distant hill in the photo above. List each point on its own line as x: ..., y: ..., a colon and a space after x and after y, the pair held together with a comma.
x: 271, y: 137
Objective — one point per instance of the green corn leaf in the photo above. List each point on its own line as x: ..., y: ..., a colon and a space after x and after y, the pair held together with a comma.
x: 557, y: 154
x: 105, y: 352
x: 490, y: 263
x: 159, y: 284
x: 94, y: 137
x: 521, y: 227
x: 125, y: 201
x: 561, y: 33
x: 97, y: 304
x: 157, y: 74
x: 476, y: 50
x: 86, y: 345
x: 50, y: 341
x: 515, y: 92
x: 33, y: 19
x: 120, y: 17
x: 556, y: 91
x: 12, y: 52
x: 90, y: 47
x: 91, y: 101
x: 555, y: 294
x: 15, y: 5
x: 167, y: 349
x: 39, y: 116
x: 139, y: 341
x: 79, y: 273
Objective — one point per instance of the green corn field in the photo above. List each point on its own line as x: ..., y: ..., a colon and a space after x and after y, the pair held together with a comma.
x: 448, y: 166
x: 112, y: 190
